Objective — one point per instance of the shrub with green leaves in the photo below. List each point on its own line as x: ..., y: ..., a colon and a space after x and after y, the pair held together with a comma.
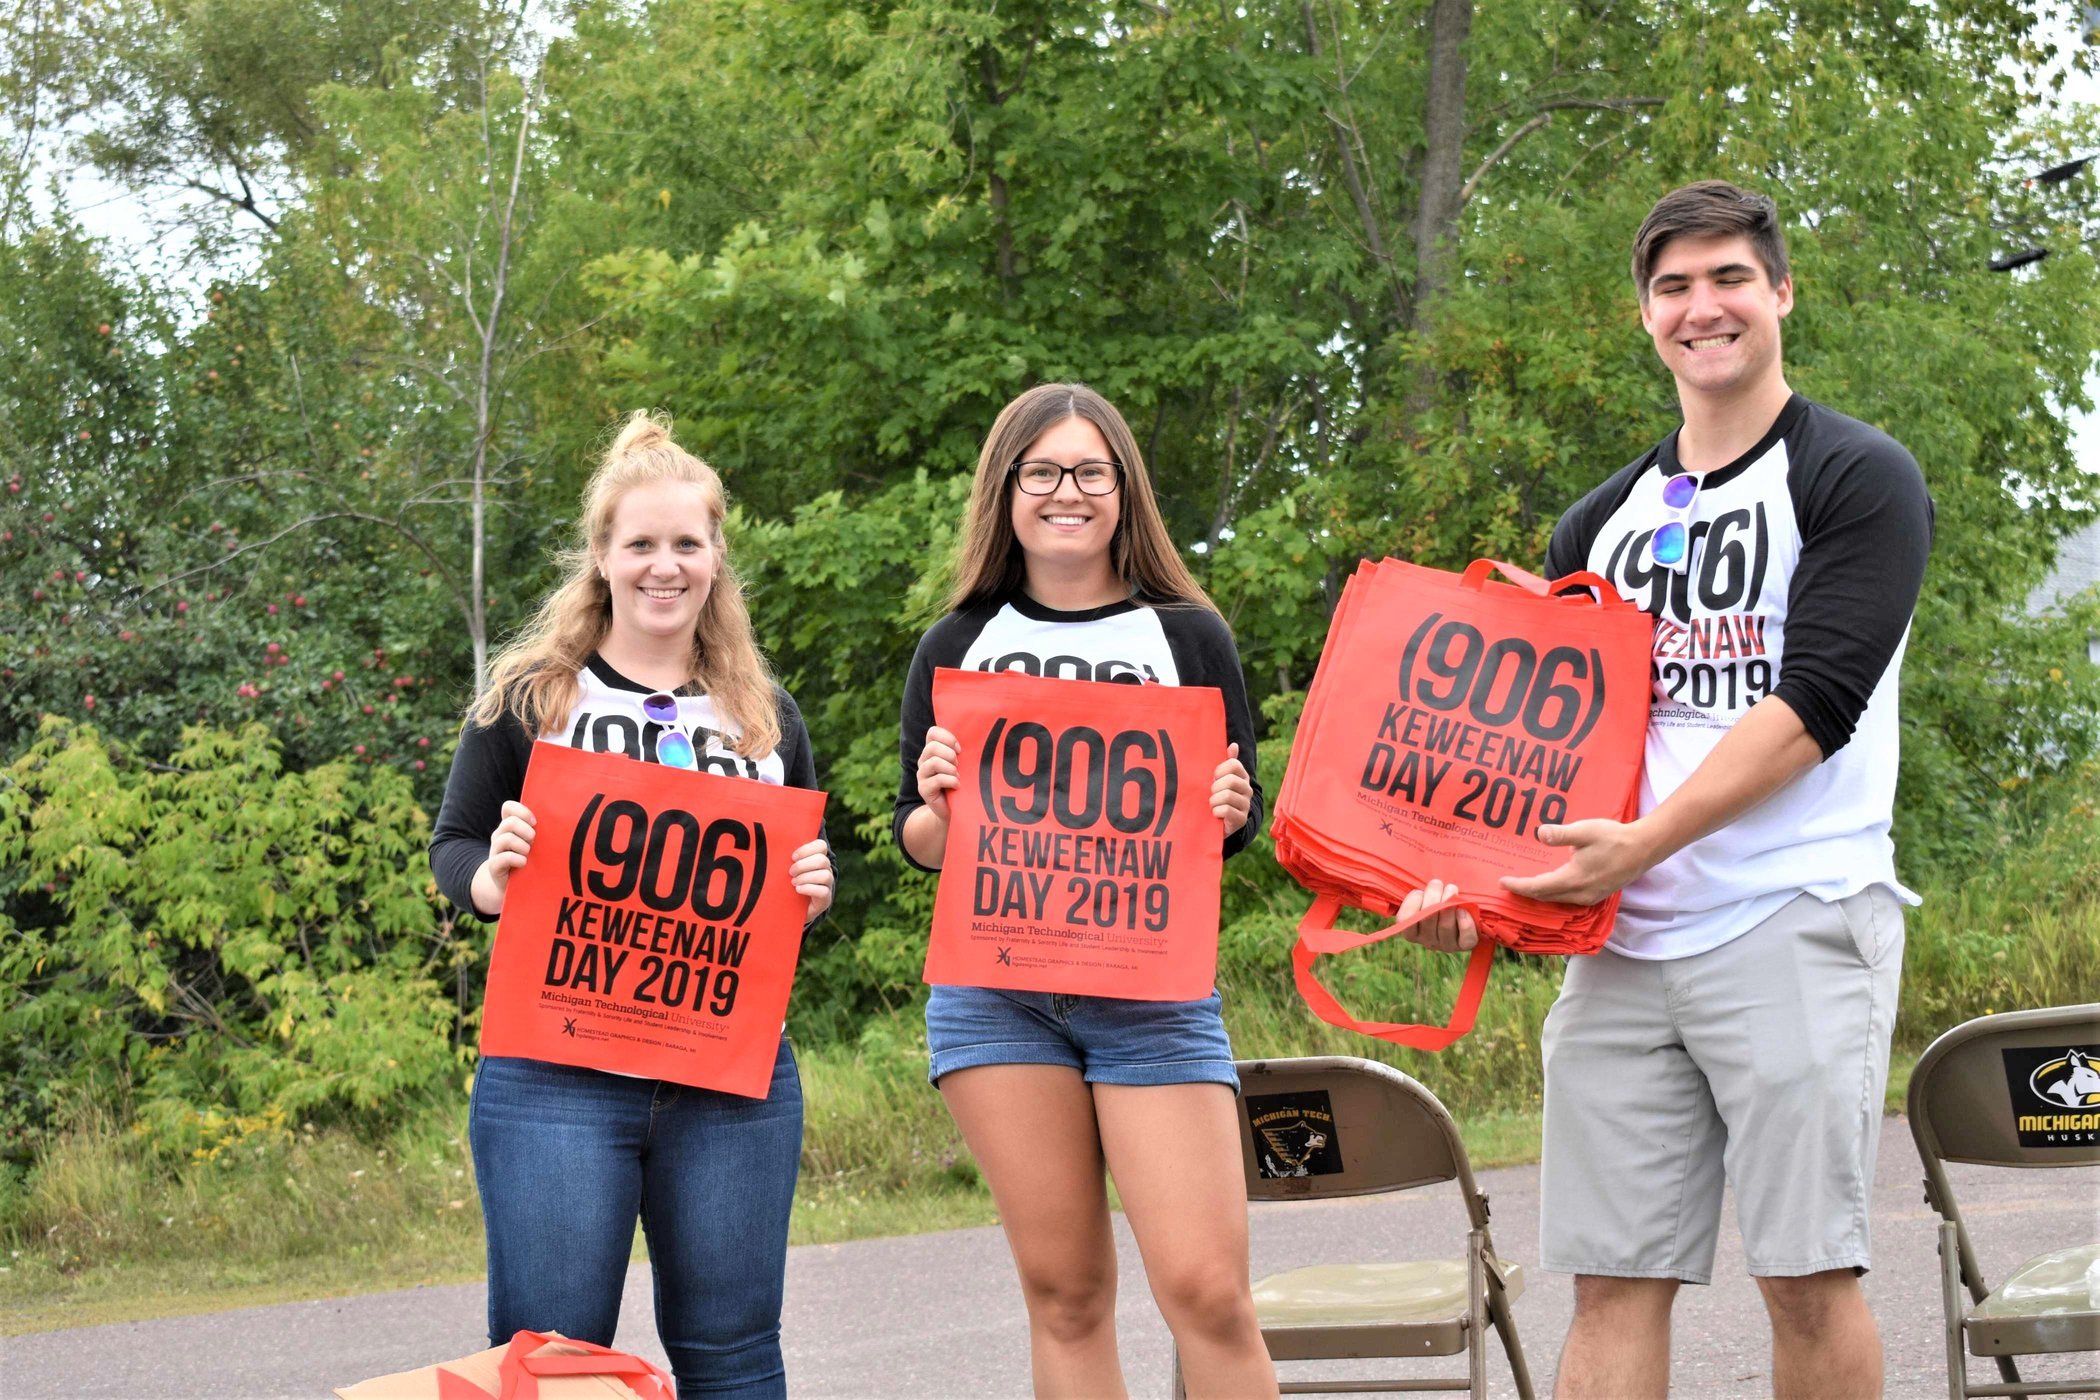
x: 232, y: 947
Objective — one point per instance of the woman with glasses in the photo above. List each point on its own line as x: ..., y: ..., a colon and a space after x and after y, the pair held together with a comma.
x: 1065, y: 569
x: 644, y: 648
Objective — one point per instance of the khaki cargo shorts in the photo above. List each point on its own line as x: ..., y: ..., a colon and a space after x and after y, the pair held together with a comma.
x: 1763, y: 1060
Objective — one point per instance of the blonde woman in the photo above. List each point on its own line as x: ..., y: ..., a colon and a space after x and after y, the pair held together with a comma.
x: 1066, y: 569
x: 649, y: 618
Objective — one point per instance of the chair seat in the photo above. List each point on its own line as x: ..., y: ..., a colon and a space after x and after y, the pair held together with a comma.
x: 2045, y: 1305
x: 1414, y: 1294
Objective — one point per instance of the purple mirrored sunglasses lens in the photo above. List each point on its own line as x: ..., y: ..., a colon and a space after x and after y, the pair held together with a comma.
x: 674, y: 750
x: 661, y: 708
x: 1679, y: 490
x: 1668, y: 545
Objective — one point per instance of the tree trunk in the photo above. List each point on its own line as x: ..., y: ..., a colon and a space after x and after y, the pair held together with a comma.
x: 1348, y: 139
x: 995, y: 183
x: 1443, y: 175
x: 485, y: 382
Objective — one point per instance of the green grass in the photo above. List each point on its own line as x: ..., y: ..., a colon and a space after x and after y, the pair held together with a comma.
x: 101, y: 1233
x: 99, y: 1230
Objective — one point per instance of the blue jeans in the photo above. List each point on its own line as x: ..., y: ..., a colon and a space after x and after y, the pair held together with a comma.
x: 566, y: 1158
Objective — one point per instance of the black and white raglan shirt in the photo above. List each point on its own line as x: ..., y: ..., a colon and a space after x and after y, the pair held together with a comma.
x: 1129, y: 643
x: 489, y: 768
x: 1807, y: 553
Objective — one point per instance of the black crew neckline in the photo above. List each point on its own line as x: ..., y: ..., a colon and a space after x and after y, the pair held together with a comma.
x: 1666, y: 457
x: 1028, y: 607
x: 603, y: 670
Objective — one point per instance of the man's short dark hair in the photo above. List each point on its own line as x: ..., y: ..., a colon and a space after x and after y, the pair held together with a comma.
x: 1710, y: 209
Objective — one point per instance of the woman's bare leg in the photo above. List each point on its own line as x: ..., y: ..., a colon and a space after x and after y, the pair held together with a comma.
x: 1031, y: 1129
x: 1174, y: 1150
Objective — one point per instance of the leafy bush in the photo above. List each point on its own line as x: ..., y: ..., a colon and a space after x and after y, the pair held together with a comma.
x: 230, y: 947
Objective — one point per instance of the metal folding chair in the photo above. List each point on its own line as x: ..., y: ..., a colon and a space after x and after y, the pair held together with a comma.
x: 1336, y: 1126
x: 2012, y: 1090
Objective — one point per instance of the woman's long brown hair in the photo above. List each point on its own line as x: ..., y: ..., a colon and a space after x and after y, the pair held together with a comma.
x: 988, y: 561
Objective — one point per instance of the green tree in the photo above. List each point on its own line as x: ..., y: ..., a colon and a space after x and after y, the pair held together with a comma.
x: 147, y: 470
x: 218, y: 99
x: 1356, y: 273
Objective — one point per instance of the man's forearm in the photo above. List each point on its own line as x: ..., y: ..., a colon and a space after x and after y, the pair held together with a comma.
x: 1760, y: 754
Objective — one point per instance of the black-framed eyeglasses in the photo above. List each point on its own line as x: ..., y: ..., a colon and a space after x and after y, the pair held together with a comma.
x: 1042, y: 478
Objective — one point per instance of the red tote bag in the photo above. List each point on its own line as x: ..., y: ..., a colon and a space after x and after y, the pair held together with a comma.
x: 1451, y: 716
x: 654, y: 932
x: 1082, y: 853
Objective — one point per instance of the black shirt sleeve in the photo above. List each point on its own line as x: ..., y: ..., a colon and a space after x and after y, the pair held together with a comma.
x: 1866, y: 528
x: 1205, y: 654
x: 488, y: 770
x: 797, y: 763
x: 945, y: 644
x: 799, y: 770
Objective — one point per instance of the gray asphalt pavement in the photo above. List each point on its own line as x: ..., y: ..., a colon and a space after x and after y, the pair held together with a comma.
x: 940, y: 1315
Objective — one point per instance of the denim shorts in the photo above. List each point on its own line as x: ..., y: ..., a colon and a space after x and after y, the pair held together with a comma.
x: 1108, y: 1040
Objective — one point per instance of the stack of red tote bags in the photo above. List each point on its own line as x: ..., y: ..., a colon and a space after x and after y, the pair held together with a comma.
x: 1451, y: 716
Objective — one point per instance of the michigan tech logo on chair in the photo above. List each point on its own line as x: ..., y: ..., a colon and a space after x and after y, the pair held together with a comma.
x: 2056, y: 1095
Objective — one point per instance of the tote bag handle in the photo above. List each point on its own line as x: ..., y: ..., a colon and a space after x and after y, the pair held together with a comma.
x: 521, y: 1370
x: 1476, y: 576
x: 1317, y: 934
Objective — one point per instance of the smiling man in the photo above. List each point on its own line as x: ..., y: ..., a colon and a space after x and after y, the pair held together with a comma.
x: 1737, y: 1027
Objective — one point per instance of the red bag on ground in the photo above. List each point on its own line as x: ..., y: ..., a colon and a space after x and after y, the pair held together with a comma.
x: 1449, y: 718
x: 1082, y: 853
x: 654, y: 932
x: 531, y: 1366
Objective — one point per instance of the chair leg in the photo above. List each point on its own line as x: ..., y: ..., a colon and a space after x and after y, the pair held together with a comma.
x: 1953, y: 1307
x: 1970, y: 1273
x: 1506, y: 1326
x: 1476, y: 1312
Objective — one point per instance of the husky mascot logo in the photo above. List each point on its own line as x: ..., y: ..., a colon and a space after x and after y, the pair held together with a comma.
x: 2070, y: 1080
